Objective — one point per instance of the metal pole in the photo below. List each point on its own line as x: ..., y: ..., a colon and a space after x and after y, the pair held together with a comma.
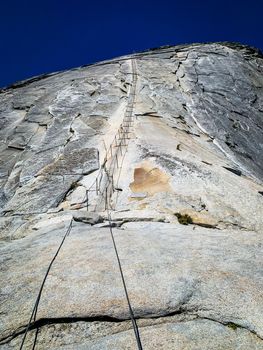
x: 106, y: 199
x: 96, y: 186
x: 112, y: 182
x: 101, y: 176
x: 120, y: 147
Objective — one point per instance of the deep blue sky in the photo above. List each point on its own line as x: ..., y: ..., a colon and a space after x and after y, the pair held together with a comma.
x: 40, y: 36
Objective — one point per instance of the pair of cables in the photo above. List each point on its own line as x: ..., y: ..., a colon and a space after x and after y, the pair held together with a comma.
x: 35, y: 308
x: 32, y: 319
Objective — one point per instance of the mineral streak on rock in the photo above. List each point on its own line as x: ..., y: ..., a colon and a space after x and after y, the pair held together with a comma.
x: 149, y: 179
x: 187, y: 202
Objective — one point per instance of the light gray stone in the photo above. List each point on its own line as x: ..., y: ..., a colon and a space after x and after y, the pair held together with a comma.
x: 155, y: 334
x: 41, y: 194
x: 188, y: 228
x: 183, y: 264
x: 86, y: 217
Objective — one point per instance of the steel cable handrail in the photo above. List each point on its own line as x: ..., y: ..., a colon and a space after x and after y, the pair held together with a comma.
x: 34, y: 311
x: 109, y: 184
x: 132, y: 317
x: 111, y: 158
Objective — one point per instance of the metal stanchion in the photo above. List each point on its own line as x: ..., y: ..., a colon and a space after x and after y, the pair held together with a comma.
x: 87, y: 197
x: 112, y: 180
x: 119, y: 133
x: 120, y: 146
x: 105, y: 178
x: 97, y: 191
x: 106, y: 198
x: 101, y: 175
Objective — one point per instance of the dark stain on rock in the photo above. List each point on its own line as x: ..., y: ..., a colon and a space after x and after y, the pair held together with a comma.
x: 234, y: 171
x: 184, y: 219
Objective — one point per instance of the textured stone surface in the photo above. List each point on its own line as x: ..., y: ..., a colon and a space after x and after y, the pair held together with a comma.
x: 168, y: 333
x: 194, y: 157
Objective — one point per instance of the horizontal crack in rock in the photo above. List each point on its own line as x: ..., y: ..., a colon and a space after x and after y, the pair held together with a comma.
x: 232, y: 325
x: 99, y: 318
x: 110, y: 319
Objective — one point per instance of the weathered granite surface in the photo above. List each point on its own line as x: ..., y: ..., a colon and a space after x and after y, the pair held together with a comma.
x: 186, y: 209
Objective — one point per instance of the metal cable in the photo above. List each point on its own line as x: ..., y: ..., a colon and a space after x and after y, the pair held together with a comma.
x: 133, y: 320
x: 34, y: 312
x: 110, y: 182
x: 107, y: 165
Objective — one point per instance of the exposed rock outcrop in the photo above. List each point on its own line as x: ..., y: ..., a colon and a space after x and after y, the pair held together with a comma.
x: 170, y: 142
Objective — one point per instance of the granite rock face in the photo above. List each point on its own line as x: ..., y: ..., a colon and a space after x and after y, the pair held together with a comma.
x: 170, y: 141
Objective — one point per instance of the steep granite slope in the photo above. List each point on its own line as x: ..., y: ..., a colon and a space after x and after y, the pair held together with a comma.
x: 169, y: 142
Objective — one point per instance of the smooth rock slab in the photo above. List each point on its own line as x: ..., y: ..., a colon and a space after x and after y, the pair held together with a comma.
x: 181, y: 270
x: 75, y: 162
x: 209, y: 103
x: 22, y: 135
x: 78, y: 195
x: 41, y: 194
x: 192, y: 335
x: 53, y: 182
x: 164, y: 333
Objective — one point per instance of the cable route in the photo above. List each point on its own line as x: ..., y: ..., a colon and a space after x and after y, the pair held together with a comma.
x: 103, y: 186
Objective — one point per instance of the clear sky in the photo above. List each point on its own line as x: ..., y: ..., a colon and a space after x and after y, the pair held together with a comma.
x: 41, y: 36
